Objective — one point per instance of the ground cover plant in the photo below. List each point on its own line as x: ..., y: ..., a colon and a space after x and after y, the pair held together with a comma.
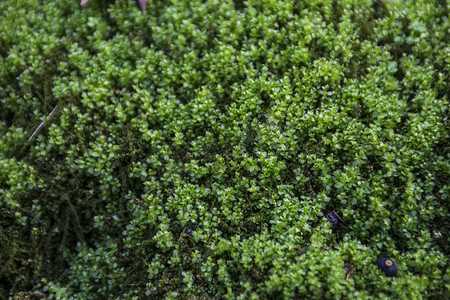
x: 198, y: 148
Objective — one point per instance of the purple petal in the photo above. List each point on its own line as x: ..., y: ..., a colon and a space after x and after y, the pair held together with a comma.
x: 143, y: 4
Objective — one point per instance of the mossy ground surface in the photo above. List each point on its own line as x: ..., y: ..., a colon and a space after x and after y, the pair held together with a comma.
x: 198, y: 146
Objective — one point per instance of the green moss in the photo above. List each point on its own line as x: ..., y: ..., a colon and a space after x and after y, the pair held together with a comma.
x: 199, y: 145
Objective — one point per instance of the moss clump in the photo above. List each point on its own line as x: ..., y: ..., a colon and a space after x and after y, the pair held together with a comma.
x: 199, y: 146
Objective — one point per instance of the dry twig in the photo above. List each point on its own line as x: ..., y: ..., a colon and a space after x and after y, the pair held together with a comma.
x: 42, y: 124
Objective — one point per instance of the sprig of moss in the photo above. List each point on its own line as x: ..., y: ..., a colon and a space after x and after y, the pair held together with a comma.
x: 200, y: 145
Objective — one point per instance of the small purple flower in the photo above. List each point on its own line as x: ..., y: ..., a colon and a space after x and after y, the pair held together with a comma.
x: 188, y: 230
x: 143, y: 4
x: 330, y: 217
x: 387, y: 265
x: 334, y: 218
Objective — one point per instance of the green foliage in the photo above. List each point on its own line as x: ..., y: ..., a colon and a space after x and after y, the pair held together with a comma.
x: 199, y: 144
